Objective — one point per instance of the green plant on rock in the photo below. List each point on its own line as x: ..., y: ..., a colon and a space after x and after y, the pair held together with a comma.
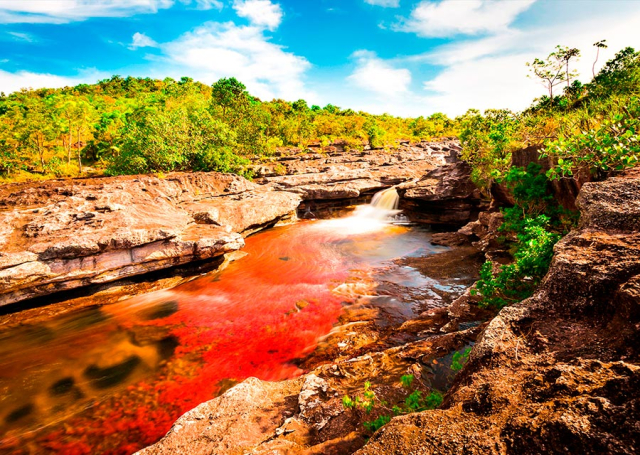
x: 612, y: 145
x: 535, y: 221
x: 376, y: 424
x: 369, y: 402
x: 459, y: 359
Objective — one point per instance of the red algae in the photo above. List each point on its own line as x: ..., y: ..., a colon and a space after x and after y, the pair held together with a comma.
x: 113, y: 380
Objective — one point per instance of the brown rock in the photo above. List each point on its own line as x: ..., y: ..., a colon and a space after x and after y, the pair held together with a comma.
x: 55, y: 238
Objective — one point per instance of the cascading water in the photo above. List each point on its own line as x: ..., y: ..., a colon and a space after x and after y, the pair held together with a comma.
x: 379, y: 214
x: 386, y: 199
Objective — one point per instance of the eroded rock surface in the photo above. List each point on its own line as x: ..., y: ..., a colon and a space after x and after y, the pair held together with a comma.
x: 557, y: 373
x: 62, y: 235
x: 434, y: 181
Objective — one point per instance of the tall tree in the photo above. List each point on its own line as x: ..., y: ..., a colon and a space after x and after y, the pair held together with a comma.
x: 599, y: 45
x: 565, y: 55
x: 550, y: 71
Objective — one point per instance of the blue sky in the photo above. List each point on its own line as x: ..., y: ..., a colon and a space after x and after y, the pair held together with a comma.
x: 404, y: 57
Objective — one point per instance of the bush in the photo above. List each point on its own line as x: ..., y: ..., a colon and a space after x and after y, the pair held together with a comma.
x: 536, y: 222
x: 176, y: 140
x: 369, y: 402
x: 612, y: 145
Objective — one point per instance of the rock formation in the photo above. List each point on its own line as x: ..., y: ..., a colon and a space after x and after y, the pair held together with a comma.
x: 558, y: 372
x: 67, y: 234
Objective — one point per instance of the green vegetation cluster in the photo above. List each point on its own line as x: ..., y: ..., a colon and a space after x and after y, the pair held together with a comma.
x: 590, y: 128
x: 369, y: 402
x: 133, y: 125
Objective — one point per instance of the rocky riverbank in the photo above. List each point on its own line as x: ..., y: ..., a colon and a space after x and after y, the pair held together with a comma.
x: 61, y: 235
x: 557, y: 373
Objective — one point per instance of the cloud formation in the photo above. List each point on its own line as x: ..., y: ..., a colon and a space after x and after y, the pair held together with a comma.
x: 384, y: 3
x: 215, y: 50
x: 378, y: 76
x: 13, y: 82
x: 141, y: 40
x: 261, y: 13
x: 470, y: 17
x: 491, y: 72
x: 62, y: 11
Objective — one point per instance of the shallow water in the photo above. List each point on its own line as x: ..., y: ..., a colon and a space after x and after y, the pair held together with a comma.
x: 113, y: 379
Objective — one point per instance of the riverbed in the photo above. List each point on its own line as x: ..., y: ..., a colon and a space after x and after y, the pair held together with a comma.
x: 111, y: 379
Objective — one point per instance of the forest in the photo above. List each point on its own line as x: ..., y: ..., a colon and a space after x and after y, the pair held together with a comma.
x: 133, y: 125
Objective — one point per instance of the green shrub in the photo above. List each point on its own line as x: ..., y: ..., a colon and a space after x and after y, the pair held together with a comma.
x: 369, y: 402
x: 459, y: 359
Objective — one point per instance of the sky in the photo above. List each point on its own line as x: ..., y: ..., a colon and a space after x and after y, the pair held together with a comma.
x: 402, y: 57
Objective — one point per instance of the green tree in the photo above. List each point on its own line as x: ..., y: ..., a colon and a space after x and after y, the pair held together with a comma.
x: 549, y: 71
x: 229, y: 93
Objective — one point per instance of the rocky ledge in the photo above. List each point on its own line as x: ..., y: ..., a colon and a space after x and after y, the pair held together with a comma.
x: 557, y: 373
x: 61, y: 235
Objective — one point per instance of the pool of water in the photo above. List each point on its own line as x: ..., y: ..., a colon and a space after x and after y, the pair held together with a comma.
x: 112, y: 379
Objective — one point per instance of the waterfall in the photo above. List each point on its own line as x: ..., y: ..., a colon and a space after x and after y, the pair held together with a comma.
x: 386, y: 199
x: 382, y: 212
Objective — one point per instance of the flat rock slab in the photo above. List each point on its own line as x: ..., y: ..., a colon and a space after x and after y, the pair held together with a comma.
x: 65, y: 234
x: 61, y: 235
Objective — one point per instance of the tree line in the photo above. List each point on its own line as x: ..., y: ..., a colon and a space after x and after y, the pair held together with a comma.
x: 139, y: 125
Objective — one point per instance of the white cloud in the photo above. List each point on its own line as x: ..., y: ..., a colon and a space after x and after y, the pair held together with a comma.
x: 470, y: 17
x: 13, y: 82
x: 384, y: 3
x: 491, y: 72
x: 261, y: 13
x: 378, y: 76
x: 61, y: 11
x: 141, y: 40
x: 18, y: 36
x: 215, y: 50
x: 208, y: 4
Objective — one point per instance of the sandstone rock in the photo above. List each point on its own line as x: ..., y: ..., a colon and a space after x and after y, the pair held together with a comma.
x: 234, y: 423
x: 56, y: 238
x: 64, y: 234
x: 445, y: 195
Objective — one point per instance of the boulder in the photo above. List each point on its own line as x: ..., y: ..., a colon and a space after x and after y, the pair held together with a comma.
x: 444, y: 195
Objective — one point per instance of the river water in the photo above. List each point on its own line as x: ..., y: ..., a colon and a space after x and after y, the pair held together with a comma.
x: 112, y: 379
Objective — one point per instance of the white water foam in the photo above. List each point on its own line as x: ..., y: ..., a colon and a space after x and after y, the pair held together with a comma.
x: 368, y: 218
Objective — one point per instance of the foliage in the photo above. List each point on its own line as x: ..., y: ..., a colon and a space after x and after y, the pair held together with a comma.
x: 612, y: 145
x: 130, y: 125
x: 591, y: 127
x: 376, y: 424
x: 529, y: 220
x: 459, y: 359
x: 416, y: 401
x: 488, y: 142
x: 406, y: 380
